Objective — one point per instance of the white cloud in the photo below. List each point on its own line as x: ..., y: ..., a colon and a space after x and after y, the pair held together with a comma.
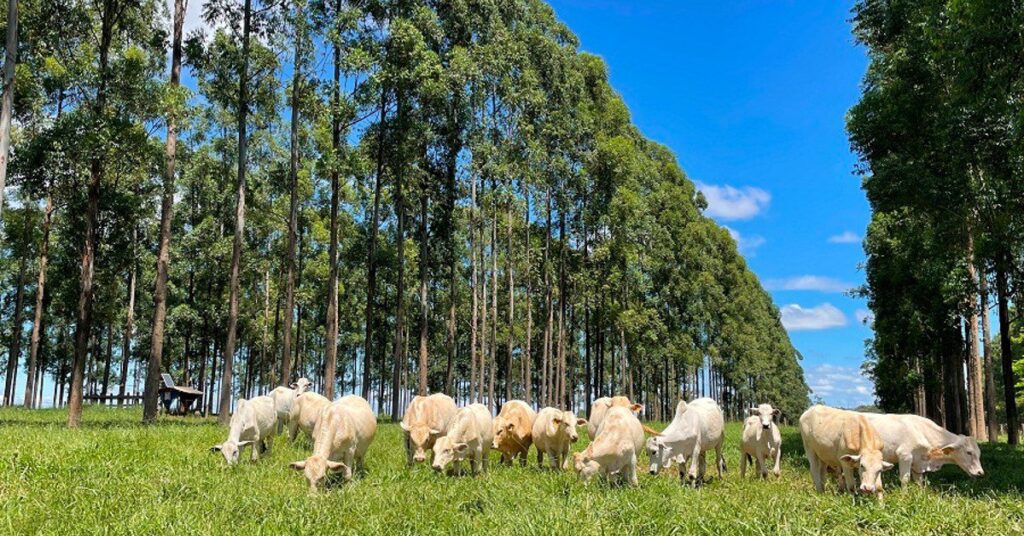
x: 864, y: 316
x: 840, y: 386
x: 808, y: 282
x: 824, y: 316
x: 846, y: 237
x: 747, y: 245
x: 730, y: 203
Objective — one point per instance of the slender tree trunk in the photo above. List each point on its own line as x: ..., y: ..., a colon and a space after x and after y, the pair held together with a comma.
x: 371, y: 261
x: 511, y: 301
x: 224, y: 410
x: 454, y: 146
x: 484, y: 333
x: 975, y: 389
x: 293, y: 211
x: 1006, y: 349
x: 397, y: 354
x: 15, y: 349
x: 166, y: 217
x: 990, y: 386
x: 126, y: 342
x: 561, y: 309
x: 528, y: 354
x: 106, y: 365
x: 493, y: 361
x: 37, y: 320
x: 545, y: 394
x: 7, y: 107
x: 331, y: 352
x: 424, y: 328
x: 473, y: 264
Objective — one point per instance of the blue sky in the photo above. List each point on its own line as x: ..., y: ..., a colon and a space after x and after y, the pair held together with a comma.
x: 751, y: 95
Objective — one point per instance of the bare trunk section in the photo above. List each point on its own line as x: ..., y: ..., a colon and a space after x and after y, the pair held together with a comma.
x: 293, y: 210
x: 511, y: 301
x: 424, y: 318
x: 224, y: 410
x: 990, y: 386
x: 1006, y: 349
x: 397, y: 350
x: 37, y: 319
x: 7, y: 107
x: 473, y: 264
x: 371, y: 252
x: 15, y: 348
x: 527, y: 354
x: 331, y: 352
x: 545, y: 393
x: 975, y: 389
x: 126, y: 341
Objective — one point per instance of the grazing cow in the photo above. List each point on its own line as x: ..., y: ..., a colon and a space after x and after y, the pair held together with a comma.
x: 696, y: 428
x: 340, y: 439
x: 284, y: 397
x: 469, y: 436
x: 836, y: 438
x: 601, y: 406
x: 304, y: 414
x: 920, y: 446
x: 553, y: 432
x: 761, y: 439
x: 614, y: 450
x: 425, y: 420
x: 513, y: 431
x: 253, y: 423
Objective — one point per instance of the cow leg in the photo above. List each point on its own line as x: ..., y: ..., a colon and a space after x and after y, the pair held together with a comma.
x: 777, y: 471
x: 761, y: 471
x: 293, y: 428
x: 703, y: 476
x: 906, y: 463
x: 555, y: 462
x: 565, y: 458
x: 255, y: 448
x: 631, y: 471
x: 694, y: 463
x: 816, y: 470
x: 486, y: 454
x: 743, y: 464
x: 540, y: 458
x: 408, y: 451
x: 849, y: 480
x: 523, y: 454
x: 919, y: 478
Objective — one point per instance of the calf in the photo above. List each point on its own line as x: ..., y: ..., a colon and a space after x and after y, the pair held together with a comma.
x: 614, y: 450
x: 513, y: 431
x: 761, y: 439
x: 340, y: 440
x: 920, y: 446
x: 469, y: 436
x: 425, y: 420
x: 836, y: 438
x: 304, y: 414
x: 253, y: 423
x: 696, y: 428
x: 284, y: 397
x: 601, y: 406
x: 554, y: 431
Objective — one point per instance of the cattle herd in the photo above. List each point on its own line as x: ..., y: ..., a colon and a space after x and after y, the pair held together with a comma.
x: 853, y: 446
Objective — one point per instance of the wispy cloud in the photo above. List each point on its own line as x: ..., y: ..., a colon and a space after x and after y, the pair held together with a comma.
x: 840, y: 386
x: 730, y: 203
x: 864, y: 316
x: 747, y: 245
x: 808, y: 282
x: 846, y: 237
x: 824, y: 316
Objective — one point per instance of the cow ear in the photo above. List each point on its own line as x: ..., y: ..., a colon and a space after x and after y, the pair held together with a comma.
x: 886, y: 466
x: 293, y: 385
x: 557, y: 420
x: 637, y: 408
x: 215, y: 448
x: 435, y: 432
x: 405, y: 427
x: 461, y: 447
x: 336, y: 466
x: 850, y: 458
x: 510, y: 426
x: 948, y: 449
x: 581, y: 422
x: 242, y: 444
x: 776, y: 412
x: 298, y: 466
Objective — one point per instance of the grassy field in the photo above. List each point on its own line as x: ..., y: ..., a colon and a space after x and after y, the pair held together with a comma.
x: 116, y: 477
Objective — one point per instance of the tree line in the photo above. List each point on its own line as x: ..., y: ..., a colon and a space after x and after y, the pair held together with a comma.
x: 388, y: 197
x: 939, y: 131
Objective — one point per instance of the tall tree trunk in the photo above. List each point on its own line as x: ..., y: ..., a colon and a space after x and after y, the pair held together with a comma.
x: 331, y: 352
x: 7, y: 107
x: 15, y: 348
x: 293, y: 211
x: 493, y: 361
x: 166, y: 217
x: 371, y: 250
x: 106, y: 365
x: 484, y: 334
x: 424, y: 328
x: 126, y: 341
x: 1006, y: 349
x: 990, y: 386
x: 224, y: 410
x: 40, y: 310
x: 511, y: 300
x: 474, y: 282
x: 454, y: 146
x: 975, y: 389
x: 527, y: 354
x: 397, y: 352
x: 562, y: 302
x: 545, y: 394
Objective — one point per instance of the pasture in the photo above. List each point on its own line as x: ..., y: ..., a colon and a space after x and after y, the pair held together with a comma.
x: 115, y: 476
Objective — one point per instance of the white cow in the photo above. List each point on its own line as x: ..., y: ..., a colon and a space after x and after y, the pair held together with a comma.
x: 844, y: 440
x: 761, y: 440
x: 696, y: 428
x: 425, y: 420
x: 284, y: 397
x: 614, y: 450
x: 341, y: 438
x: 554, y: 431
x: 470, y: 434
x: 253, y: 423
x: 304, y: 413
x: 601, y: 406
x: 920, y: 446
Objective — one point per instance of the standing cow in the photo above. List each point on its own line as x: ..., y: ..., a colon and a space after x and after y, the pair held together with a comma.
x: 425, y: 420
x: 554, y: 431
x: 342, y: 435
x: 513, y: 431
x: 253, y: 423
x: 284, y: 397
x: 697, y: 427
x: 469, y: 436
x: 601, y: 406
x: 614, y: 450
x: 920, y: 446
x: 761, y: 441
x: 844, y: 440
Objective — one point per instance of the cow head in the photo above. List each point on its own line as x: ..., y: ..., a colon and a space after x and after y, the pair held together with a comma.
x: 315, y: 469
x: 230, y: 450
x: 503, y: 435
x: 566, y: 423
x: 447, y: 451
x: 585, y: 467
x: 660, y: 454
x: 964, y: 452
x: 421, y: 438
x: 870, y: 465
x: 765, y: 413
x: 301, y: 385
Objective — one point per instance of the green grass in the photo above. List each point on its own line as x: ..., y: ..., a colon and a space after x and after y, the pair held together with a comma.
x: 115, y: 476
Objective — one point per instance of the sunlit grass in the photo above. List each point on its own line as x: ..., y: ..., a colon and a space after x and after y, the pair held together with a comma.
x: 115, y: 476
